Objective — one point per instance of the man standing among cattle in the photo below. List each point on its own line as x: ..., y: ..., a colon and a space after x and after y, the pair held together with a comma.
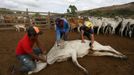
x: 88, y: 31
x: 62, y: 29
x: 24, y: 52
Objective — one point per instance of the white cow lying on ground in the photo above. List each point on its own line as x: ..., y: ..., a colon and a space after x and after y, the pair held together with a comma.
x: 75, y: 49
x: 19, y: 26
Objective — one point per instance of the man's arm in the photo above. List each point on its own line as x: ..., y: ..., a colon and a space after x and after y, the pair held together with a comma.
x: 92, y: 37
x: 27, y: 48
x: 40, y: 46
x: 82, y: 36
x: 37, y: 57
x: 92, y: 40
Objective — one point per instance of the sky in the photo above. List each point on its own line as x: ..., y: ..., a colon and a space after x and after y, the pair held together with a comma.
x: 58, y: 6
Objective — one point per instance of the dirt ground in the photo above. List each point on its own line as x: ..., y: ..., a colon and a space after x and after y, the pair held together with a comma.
x: 95, y: 65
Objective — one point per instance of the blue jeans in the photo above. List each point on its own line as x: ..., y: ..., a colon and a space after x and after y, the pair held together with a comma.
x: 61, y: 34
x: 28, y: 64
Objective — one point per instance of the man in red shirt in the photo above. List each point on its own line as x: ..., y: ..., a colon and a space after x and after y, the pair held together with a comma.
x: 25, y: 52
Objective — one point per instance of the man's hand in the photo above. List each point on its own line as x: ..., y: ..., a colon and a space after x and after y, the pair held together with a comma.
x: 91, y: 47
x: 44, y: 52
x: 83, y: 41
x: 42, y: 58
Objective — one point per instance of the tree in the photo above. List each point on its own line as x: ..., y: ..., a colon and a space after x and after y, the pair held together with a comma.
x: 73, y: 9
x: 37, y: 14
x: 68, y: 11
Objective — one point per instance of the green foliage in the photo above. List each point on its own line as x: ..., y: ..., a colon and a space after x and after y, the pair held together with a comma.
x: 68, y: 11
x: 5, y: 11
x: 112, y: 13
x: 72, y: 10
x: 37, y: 14
x: 125, y: 10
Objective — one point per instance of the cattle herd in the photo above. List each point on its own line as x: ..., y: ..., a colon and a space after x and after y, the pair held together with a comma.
x: 16, y: 21
x: 117, y: 25
x: 103, y: 25
x: 13, y: 19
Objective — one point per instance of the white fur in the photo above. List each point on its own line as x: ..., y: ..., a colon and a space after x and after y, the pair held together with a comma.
x: 124, y: 24
x: 1, y: 18
x: 19, y: 26
x: 96, y: 22
x: 75, y: 49
x: 103, y: 22
x: 40, y: 65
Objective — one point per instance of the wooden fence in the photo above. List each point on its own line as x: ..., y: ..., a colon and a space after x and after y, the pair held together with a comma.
x: 45, y: 19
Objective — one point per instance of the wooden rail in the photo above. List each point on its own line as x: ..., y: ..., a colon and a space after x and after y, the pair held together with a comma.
x: 39, y: 22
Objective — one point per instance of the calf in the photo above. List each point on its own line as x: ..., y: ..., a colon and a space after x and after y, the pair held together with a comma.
x: 19, y: 26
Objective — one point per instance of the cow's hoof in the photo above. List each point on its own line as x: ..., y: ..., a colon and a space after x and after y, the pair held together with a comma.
x: 124, y: 57
x: 86, y: 73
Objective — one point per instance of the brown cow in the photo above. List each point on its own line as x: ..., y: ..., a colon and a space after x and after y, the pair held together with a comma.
x: 75, y: 23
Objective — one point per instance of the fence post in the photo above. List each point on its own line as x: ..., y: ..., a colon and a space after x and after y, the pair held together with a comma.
x: 27, y: 15
x: 48, y: 19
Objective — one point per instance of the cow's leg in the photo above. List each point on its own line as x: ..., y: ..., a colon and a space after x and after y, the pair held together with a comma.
x: 61, y: 58
x: 18, y: 29
x: 105, y: 53
x: 98, y: 30
x: 112, y: 30
x: 75, y: 61
x: 108, y: 51
x: 121, y: 32
x: 39, y: 66
x: 130, y: 33
x: 109, y: 48
x: 126, y: 31
x: 103, y: 30
x: 107, y: 30
x: 24, y: 28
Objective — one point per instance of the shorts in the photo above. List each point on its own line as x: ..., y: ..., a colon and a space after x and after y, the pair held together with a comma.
x: 87, y: 31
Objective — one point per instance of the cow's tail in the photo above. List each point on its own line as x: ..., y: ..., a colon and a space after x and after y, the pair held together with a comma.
x: 75, y: 61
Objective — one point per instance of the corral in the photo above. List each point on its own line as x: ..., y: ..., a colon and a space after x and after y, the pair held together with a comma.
x: 95, y: 65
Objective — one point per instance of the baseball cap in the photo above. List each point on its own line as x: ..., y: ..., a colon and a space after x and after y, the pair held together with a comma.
x: 33, y: 30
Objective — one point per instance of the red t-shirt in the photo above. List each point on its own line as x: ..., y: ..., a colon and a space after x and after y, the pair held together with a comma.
x: 25, y: 46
